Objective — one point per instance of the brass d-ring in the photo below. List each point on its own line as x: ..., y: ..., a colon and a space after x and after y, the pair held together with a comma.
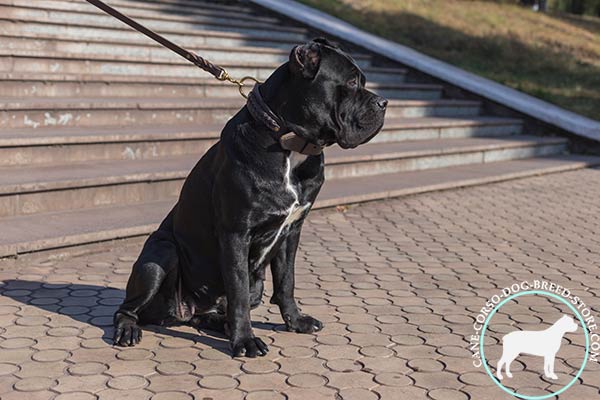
x: 241, y: 82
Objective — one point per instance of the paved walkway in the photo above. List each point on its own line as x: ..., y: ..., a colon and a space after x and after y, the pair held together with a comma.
x: 398, y: 284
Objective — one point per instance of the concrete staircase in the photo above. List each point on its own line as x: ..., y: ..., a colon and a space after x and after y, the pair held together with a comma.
x: 99, y: 126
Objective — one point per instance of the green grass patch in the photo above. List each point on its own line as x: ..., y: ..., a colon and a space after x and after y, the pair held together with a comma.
x: 555, y: 57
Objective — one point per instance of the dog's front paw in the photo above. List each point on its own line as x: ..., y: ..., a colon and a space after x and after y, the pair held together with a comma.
x: 552, y: 376
x: 249, y: 347
x: 127, y: 333
x: 304, y: 324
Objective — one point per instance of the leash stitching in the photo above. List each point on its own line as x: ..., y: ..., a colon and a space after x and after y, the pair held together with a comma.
x: 218, y: 72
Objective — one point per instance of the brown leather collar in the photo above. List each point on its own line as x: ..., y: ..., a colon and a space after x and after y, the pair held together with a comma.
x: 261, y: 112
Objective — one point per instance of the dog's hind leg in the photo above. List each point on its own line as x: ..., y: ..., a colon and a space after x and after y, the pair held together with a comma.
x: 214, y: 321
x: 157, y: 260
x: 257, y: 288
x: 499, y: 368
x: 505, y: 361
x: 507, y: 367
x: 549, y: 366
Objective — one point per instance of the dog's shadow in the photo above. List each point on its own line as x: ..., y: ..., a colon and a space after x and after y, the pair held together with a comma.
x: 95, y: 305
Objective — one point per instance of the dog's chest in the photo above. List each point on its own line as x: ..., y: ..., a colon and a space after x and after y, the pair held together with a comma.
x: 296, y: 207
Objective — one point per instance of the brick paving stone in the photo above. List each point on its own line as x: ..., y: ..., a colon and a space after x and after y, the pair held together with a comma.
x: 87, y: 368
x: 165, y: 355
x: 172, y: 396
x: 35, y: 384
x: 265, y: 395
x: 390, y: 364
x: 175, y: 368
x: 17, y: 343
x: 64, y: 343
x: 298, y: 351
x: 343, y: 365
x: 354, y: 379
x: 376, y: 351
x: 333, y: 339
x: 66, y: 331
x: 426, y: 365
x: 127, y: 382
x: 165, y: 383
x: 8, y: 369
x: 397, y: 283
x: 291, y: 366
x: 273, y: 381
x: 321, y: 393
x: 432, y: 380
x: 307, y: 380
x: 142, y: 368
x: 218, y: 382
x: 447, y: 394
x: 89, y: 383
x: 112, y: 394
x: 214, y: 354
x: 7, y: 384
x: 357, y: 394
x: 476, y: 379
x: 328, y: 352
x: 75, y: 396
x: 407, y: 340
x: 16, y: 356
x: 393, y: 379
x: 135, y: 354
x: 218, y: 367
x: 51, y: 355
x: 259, y: 366
x: 203, y: 394
x: 405, y: 392
x: 410, y: 352
x: 41, y: 395
x: 33, y: 368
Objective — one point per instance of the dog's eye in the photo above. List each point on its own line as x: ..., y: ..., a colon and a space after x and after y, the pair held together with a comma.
x: 353, y: 83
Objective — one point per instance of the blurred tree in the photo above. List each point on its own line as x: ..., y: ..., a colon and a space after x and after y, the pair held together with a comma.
x: 589, y: 7
x: 580, y: 7
x: 537, y: 5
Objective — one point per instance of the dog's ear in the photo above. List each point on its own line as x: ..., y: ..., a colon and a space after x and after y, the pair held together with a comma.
x: 326, y: 42
x: 305, y: 60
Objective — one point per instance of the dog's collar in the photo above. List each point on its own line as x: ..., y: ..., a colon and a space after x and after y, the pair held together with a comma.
x: 261, y: 112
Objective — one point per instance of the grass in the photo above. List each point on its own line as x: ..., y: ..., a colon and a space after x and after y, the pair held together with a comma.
x: 555, y: 57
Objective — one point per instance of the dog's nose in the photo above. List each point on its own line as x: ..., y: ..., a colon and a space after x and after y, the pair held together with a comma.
x: 382, y: 103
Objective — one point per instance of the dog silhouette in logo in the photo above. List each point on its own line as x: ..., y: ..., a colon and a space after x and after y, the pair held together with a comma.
x: 538, y: 343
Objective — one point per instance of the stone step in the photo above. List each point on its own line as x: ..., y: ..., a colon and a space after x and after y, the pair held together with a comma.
x: 89, y: 112
x: 34, y: 63
x: 73, y: 145
x: 168, y: 6
x: 46, y: 188
x: 185, y: 38
x: 73, y: 85
x: 156, y: 22
x: 147, y: 51
x: 28, y: 233
x: 174, y: 11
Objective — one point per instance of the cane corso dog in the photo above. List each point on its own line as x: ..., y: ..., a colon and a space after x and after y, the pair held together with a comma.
x: 242, y: 206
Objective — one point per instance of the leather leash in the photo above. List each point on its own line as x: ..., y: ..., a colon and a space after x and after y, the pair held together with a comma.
x: 218, y: 72
x: 257, y: 107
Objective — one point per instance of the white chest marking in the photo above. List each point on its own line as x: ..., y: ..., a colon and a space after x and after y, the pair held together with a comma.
x: 296, y: 210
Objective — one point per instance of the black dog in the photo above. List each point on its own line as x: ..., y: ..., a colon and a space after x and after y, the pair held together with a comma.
x: 243, y: 204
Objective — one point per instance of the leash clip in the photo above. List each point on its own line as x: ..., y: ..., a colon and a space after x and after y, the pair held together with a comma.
x: 241, y: 83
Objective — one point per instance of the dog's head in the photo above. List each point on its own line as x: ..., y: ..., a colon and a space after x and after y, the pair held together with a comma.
x: 567, y: 324
x: 329, y: 103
